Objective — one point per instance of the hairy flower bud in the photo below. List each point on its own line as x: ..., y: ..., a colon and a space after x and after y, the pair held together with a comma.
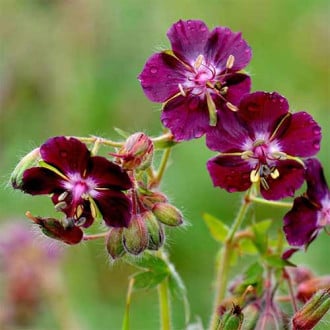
x: 232, y: 320
x: 168, y: 214
x: 155, y: 231
x: 64, y: 231
x: 26, y: 162
x: 313, y: 311
x: 137, y: 152
x: 114, y: 243
x: 135, y: 237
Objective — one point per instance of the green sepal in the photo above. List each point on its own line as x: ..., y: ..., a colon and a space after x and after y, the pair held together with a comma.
x: 148, y: 279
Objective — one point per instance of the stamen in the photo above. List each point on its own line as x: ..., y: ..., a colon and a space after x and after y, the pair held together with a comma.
x: 279, y: 155
x: 199, y: 61
x: 254, y: 176
x: 60, y: 206
x: 81, y: 221
x: 67, y: 223
x: 275, y: 173
x: 230, y: 61
x: 182, y: 92
x: 63, y: 196
x: 79, y: 211
x: 224, y: 90
x: 247, y: 154
x: 231, y: 107
x: 264, y: 183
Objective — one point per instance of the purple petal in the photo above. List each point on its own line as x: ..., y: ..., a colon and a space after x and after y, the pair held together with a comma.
x: 107, y: 174
x: 229, y: 134
x: 300, y: 223
x: 188, y: 39
x: 291, y: 178
x: 161, y: 76
x: 115, y: 208
x: 68, y: 155
x: 223, y: 42
x: 302, y: 137
x: 239, y: 85
x: 186, y: 116
x: 41, y: 181
x: 317, y: 187
x: 230, y: 173
x: 262, y: 111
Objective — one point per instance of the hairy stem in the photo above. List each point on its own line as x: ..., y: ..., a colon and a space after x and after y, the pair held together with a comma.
x: 223, y: 263
x: 164, y: 305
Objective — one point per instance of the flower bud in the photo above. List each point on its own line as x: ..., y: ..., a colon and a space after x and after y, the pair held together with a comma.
x: 26, y: 162
x: 114, y: 243
x: 135, y: 236
x: 150, y: 198
x: 313, y: 311
x: 232, y: 320
x: 57, y: 229
x: 155, y: 231
x: 308, y: 288
x: 137, y: 152
x: 167, y: 214
x: 251, y: 315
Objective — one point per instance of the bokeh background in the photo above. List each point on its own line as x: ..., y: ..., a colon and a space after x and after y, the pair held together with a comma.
x: 70, y: 67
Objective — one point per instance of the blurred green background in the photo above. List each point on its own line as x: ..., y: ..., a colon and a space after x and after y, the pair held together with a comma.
x: 71, y: 67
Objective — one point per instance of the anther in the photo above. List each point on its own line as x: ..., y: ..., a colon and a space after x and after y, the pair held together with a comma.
x: 254, y: 176
x: 230, y: 61
x: 81, y: 221
x: 231, y: 107
x: 275, y: 173
x: 60, y: 206
x: 199, y: 61
x: 79, y: 210
x: 63, y: 196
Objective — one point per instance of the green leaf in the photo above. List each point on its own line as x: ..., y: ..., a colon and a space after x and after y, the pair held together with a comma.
x: 150, y: 262
x: 260, y: 230
x: 178, y: 289
x: 216, y: 227
x: 148, y: 279
x: 121, y: 132
x: 276, y: 261
x: 247, y: 246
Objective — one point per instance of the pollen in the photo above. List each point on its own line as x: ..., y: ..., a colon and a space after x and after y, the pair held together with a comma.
x: 182, y: 92
x: 231, y: 107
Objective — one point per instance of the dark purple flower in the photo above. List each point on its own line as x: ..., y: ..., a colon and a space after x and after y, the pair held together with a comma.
x: 261, y: 144
x: 80, y: 184
x: 197, y: 77
x: 310, y: 212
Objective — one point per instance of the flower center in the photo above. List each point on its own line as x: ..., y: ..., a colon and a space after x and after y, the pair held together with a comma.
x: 261, y: 154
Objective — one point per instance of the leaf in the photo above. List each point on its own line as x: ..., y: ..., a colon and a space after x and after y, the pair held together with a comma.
x: 247, y: 246
x: 150, y: 262
x: 216, y: 227
x: 121, y: 132
x: 148, y: 279
x: 260, y: 230
x: 276, y: 261
x: 178, y: 289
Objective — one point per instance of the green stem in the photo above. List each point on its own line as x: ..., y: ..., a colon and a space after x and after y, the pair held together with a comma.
x: 269, y: 202
x: 162, y: 167
x: 164, y: 305
x: 100, y: 140
x: 164, y: 297
x: 224, y: 262
x: 125, y: 325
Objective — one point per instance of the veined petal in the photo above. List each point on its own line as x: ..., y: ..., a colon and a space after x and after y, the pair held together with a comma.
x: 68, y: 155
x: 302, y: 137
x: 223, y: 42
x: 291, y: 177
x: 229, y: 135
x: 115, y: 207
x: 186, y: 116
x: 238, y: 84
x: 262, y: 112
x: 317, y: 187
x: 230, y: 172
x: 107, y: 174
x: 41, y: 181
x: 188, y: 39
x: 161, y: 76
x: 300, y: 223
